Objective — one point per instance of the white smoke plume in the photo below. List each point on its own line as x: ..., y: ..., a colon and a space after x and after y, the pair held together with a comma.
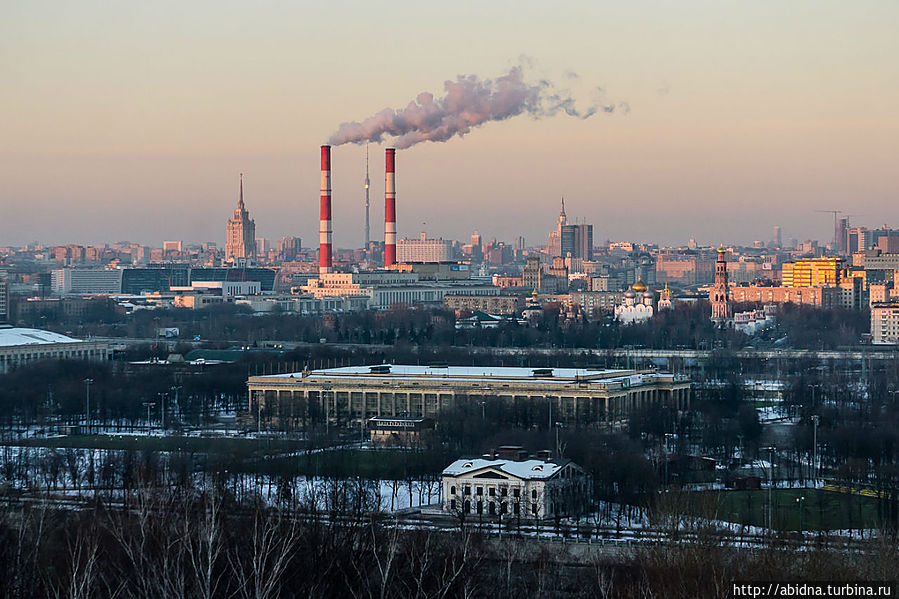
x: 469, y: 102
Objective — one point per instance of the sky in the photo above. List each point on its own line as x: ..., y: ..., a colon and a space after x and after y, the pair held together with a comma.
x: 132, y: 121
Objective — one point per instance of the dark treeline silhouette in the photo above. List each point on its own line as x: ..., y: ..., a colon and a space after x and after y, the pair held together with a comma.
x: 857, y: 428
x: 55, y: 390
x: 687, y: 326
x: 186, y: 543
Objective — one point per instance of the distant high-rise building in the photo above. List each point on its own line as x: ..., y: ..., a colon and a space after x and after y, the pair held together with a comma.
x: 4, y: 297
x: 263, y: 245
x: 885, y: 323
x: 424, y: 250
x: 140, y: 254
x: 476, y: 239
x: 719, y: 295
x: 777, y: 238
x: 289, y: 248
x: 86, y: 280
x: 532, y: 275
x: 555, y: 236
x: 240, y: 240
x: 172, y: 246
x: 840, y: 236
x: 577, y: 241
x: 817, y: 272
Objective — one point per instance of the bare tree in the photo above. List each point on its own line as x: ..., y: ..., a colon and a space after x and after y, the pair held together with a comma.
x: 84, y: 566
x: 204, y: 545
x: 258, y: 575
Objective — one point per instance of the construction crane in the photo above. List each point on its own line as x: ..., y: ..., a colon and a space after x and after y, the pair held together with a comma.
x: 836, y: 227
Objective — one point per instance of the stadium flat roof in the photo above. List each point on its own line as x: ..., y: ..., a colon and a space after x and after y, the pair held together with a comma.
x: 14, y: 336
x: 475, y: 375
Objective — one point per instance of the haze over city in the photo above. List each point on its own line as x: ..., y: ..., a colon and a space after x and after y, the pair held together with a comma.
x: 467, y: 299
x: 133, y: 121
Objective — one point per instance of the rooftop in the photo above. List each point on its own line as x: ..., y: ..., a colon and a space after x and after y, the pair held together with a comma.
x: 480, y: 374
x: 13, y: 336
x: 527, y: 469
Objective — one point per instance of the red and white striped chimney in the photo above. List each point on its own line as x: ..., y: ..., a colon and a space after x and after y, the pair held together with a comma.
x: 324, y: 229
x: 390, y: 208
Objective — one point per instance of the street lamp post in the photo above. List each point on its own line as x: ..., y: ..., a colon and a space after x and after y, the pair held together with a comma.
x: 558, y: 445
x: 325, y: 390
x: 770, y: 451
x: 799, y: 500
x: 149, y: 404
x: 666, y: 452
x: 87, y: 403
x: 162, y: 397
x: 176, y: 389
x: 815, y: 419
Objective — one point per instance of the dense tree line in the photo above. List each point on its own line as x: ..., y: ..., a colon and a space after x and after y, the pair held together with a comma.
x: 187, y: 543
x: 55, y: 390
x: 687, y: 326
x: 857, y: 422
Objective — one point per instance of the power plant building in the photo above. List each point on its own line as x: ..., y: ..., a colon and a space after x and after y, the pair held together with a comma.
x: 385, y: 288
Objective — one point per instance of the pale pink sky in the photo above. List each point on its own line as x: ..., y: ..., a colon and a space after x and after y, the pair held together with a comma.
x: 133, y: 120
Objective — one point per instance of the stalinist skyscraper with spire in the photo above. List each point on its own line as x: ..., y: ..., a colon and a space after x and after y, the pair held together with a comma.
x: 555, y: 237
x: 240, y: 240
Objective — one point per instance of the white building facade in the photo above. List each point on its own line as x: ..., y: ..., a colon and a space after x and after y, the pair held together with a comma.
x: 885, y: 323
x: 424, y: 250
x: 532, y: 489
x: 64, y: 281
x: 637, y: 306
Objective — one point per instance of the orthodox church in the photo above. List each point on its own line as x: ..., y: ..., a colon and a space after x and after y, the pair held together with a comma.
x: 638, y: 304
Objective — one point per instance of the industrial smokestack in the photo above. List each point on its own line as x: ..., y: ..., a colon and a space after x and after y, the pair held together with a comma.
x: 324, y: 229
x: 390, y: 208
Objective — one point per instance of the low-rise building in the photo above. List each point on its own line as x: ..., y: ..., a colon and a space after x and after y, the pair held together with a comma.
x: 399, y: 432
x: 385, y: 288
x: 511, y: 485
x: 582, y: 397
x: 492, y: 304
x: 822, y: 297
x: 19, y: 346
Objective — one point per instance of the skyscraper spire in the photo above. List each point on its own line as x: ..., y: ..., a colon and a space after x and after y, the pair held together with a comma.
x: 563, y: 218
x: 240, y: 238
x: 367, y: 185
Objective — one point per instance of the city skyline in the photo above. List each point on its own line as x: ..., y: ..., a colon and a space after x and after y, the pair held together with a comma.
x: 164, y: 105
